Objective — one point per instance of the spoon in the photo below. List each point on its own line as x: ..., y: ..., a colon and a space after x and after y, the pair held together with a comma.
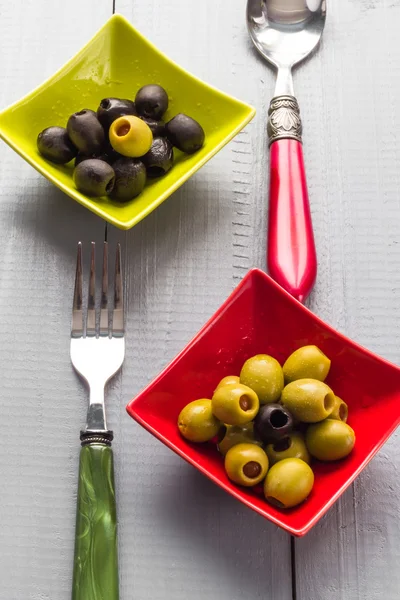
x: 285, y: 32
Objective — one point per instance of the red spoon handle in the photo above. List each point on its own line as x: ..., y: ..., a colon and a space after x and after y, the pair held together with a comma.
x: 292, y: 260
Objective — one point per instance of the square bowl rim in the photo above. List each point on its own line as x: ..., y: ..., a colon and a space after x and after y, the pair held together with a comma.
x: 280, y: 521
x: 81, y: 198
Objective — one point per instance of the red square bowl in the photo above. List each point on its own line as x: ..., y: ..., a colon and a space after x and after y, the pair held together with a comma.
x: 260, y: 317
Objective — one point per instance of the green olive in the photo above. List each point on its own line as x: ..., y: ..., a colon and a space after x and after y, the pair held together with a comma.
x: 288, y: 483
x: 196, y: 421
x: 330, y: 440
x: 292, y: 446
x: 340, y: 410
x: 235, y: 404
x: 227, y: 380
x: 309, y: 400
x: 308, y: 362
x: 263, y: 374
x: 130, y: 136
x: 246, y: 464
x: 237, y: 435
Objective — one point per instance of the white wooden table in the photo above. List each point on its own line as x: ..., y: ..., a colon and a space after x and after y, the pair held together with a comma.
x: 180, y: 536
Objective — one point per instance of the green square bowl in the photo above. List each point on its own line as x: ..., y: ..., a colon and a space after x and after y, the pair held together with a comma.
x: 117, y: 61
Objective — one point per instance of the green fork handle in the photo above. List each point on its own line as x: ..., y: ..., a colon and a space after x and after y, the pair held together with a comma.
x: 96, y: 555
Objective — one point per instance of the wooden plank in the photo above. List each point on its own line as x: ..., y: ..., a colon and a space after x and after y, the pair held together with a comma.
x: 181, y: 263
x: 349, y: 95
x: 42, y: 401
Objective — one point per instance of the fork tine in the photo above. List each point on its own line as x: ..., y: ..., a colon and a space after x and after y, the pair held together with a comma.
x: 77, y: 314
x: 118, y: 312
x: 104, y: 294
x: 91, y: 312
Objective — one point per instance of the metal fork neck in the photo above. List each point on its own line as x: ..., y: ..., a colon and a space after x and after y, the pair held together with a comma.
x: 96, y: 414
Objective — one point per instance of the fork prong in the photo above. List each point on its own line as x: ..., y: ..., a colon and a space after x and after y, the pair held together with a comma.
x: 104, y: 293
x: 118, y: 312
x: 91, y: 311
x: 77, y: 314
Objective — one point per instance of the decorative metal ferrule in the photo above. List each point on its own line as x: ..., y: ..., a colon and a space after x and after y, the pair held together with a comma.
x: 284, y: 119
x: 96, y: 437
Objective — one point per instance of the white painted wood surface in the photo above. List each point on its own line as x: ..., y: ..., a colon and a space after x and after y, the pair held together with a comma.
x: 180, y: 536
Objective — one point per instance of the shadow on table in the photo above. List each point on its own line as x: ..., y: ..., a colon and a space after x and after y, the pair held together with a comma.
x: 184, y: 218
x: 49, y: 214
x: 244, y: 553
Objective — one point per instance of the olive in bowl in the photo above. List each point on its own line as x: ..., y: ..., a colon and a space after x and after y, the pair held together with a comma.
x: 340, y: 410
x: 185, y: 133
x: 151, y: 101
x: 235, y: 404
x: 160, y: 158
x: 130, y: 179
x: 111, y: 109
x: 288, y: 483
x: 234, y: 435
x: 94, y: 177
x: 54, y: 144
x: 107, y: 154
x: 330, y: 440
x: 246, y: 464
x: 272, y: 423
x: 130, y: 136
x: 86, y: 132
x: 291, y: 446
x: 157, y: 127
x: 309, y: 400
x: 263, y: 374
x: 227, y: 380
x: 307, y: 362
x: 196, y: 421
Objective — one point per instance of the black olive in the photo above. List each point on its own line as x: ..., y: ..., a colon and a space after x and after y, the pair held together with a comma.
x: 157, y: 127
x: 86, y: 131
x: 272, y: 423
x: 109, y: 155
x: 113, y: 108
x: 160, y: 158
x: 54, y: 144
x: 130, y: 179
x: 185, y: 133
x: 151, y: 101
x: 81, y: 156
x: 94, y: 177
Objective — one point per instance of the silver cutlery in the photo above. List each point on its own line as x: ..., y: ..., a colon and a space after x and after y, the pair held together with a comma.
x: 97, y: 353
x: 285, y: 32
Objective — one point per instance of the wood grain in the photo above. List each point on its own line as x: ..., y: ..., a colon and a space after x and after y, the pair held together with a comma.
x: 349, y: 93
x: 42, y: 401
x: 181, y: 263
x: 180, y: 536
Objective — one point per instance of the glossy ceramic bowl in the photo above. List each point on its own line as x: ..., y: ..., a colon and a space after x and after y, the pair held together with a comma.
x: 260, y: 317
x: 117, y: 62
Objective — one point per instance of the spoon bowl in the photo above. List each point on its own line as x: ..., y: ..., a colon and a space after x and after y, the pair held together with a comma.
x: 285, y: 33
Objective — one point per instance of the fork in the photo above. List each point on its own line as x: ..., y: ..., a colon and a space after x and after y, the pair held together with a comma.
x: 97, y: 353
